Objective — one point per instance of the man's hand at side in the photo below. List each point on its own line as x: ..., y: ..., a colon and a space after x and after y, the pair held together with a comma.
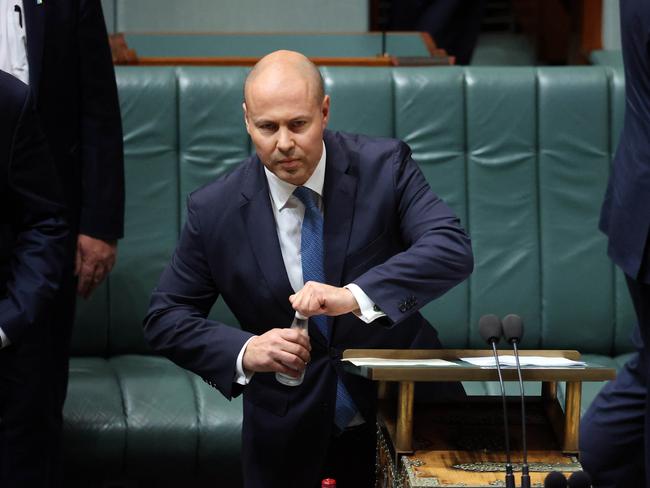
x: 94, y: 260
x: 279, y: 350
x: 321, y: 299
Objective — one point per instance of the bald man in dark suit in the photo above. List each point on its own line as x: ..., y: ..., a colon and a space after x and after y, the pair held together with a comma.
x: 341, y: 228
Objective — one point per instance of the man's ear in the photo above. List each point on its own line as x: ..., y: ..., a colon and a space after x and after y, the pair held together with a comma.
x: 325, y: 109
x: 243, y: 106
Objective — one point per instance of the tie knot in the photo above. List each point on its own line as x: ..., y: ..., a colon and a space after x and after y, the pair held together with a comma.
x: 306, y: 196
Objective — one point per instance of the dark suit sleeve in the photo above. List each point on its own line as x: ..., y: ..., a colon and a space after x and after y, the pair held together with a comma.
x: 102, y: 206
x: 177, y: 325
x: 40, y: 231
x: 437, y: 253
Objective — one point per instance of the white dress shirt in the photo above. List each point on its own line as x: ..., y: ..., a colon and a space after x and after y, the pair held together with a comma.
x: 13, y: 56
x: 13, y: 39
x: 289, y: 212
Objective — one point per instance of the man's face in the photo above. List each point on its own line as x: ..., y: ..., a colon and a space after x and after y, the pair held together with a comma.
x: 286, y: 122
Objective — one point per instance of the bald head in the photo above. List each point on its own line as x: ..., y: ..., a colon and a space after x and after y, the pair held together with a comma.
x: 278, y: 67
x: 286, y: 113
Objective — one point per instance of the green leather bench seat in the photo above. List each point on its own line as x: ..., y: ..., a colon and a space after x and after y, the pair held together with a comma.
x: 135, y: 416
x: 521, y: 154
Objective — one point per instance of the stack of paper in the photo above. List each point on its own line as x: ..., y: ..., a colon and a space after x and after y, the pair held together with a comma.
x: 539, y: 361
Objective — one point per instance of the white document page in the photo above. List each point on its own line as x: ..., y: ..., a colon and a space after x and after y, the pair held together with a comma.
x: 538, y: 361
x: 393, y: 363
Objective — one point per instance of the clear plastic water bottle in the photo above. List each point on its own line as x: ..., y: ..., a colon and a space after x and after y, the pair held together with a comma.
x: 299, y: 322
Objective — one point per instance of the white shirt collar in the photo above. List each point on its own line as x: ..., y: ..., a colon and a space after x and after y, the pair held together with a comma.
x: 281, y: 191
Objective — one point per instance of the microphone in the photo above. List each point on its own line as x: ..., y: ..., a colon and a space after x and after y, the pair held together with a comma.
x: 513, y: 331
x: 489, y: 326
x: 579, y: 479
x: 555, y: 480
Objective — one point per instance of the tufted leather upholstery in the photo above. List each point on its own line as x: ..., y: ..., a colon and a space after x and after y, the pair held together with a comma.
x: 521, y: 154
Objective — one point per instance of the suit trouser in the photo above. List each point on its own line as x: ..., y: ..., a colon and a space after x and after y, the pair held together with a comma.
x: 614, y: 445
x: 24, y: 403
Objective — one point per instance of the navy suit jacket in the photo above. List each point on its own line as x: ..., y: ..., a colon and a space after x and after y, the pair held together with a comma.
x: 625, y: 216
x: 73, y: 82
x: 32, y: 229
x: 384, y: 230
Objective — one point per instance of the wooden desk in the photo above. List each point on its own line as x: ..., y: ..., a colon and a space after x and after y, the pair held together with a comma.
x: 566, y: 424
x: 463, y: 444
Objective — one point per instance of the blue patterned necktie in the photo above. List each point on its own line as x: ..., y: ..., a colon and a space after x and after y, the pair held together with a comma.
x: 312, y: 253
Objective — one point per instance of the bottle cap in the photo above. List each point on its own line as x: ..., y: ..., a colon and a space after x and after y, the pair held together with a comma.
x: 328, y: 483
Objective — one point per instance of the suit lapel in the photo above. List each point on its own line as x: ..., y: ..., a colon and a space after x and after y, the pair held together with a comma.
x: 258, y: 217
x: 339, y: 190
x: 339, y: 194
x: 35, y: 27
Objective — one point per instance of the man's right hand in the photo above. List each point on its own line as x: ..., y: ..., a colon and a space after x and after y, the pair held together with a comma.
x: 278, y: 350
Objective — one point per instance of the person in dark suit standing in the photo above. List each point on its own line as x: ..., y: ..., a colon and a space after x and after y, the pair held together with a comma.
x: 33, y: 236
x: 342, y: 228
x: 454, y: 25
x: 60, y: 49
x: 615, y: 435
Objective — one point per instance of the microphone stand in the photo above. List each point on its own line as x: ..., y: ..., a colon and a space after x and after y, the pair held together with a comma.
x: 525, y: 476
x: 510, y: 477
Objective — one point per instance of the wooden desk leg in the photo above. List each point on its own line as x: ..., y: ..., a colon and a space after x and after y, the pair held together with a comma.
x: 549, y: 391
x: 404, y: 441
x: 382, y: 390
x: 572, y: 417
x: 553, y: 410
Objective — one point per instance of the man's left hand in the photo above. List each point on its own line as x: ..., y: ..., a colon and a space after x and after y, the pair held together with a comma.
x: 94, y: 260
x: 321, y: 299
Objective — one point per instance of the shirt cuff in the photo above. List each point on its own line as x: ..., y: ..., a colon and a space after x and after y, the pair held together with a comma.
x: 241, y: 377
x: 367, y: 308
x: 4, y: 338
